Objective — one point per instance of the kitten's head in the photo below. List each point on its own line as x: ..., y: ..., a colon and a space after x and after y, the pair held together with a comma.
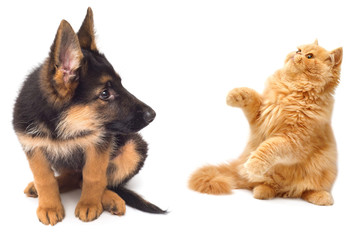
x: 314, y: 63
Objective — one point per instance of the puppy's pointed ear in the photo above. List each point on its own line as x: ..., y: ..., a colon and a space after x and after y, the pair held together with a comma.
x: 316, y: 42
x: 65, y: 59
x: 86, y: 33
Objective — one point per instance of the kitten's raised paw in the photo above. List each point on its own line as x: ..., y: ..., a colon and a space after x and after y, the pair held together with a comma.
x: 239, y: 97
x: 256, y: 167
x: 322, y: 198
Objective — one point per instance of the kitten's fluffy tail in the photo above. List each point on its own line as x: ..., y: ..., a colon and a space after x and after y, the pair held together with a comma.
x: 214, y: 179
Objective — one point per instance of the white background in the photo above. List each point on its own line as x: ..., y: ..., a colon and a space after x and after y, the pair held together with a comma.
x: 182, y: 58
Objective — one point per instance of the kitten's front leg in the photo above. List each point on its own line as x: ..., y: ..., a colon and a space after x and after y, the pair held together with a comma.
x: 273, y: 151
x: 247, y: 99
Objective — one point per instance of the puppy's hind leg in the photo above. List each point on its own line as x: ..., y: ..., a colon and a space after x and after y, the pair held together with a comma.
x: 30, y: 190
x: 67, y: 180
x: 113, y: 203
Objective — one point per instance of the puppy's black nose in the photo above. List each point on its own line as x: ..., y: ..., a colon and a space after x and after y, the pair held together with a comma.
x: 149, y: 115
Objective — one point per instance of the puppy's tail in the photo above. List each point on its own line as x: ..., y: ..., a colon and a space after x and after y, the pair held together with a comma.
x: 214, y: 179
x: 134, y: 200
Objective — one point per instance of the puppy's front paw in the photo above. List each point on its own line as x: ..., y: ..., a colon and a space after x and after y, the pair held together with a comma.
x: 239, y: 97
x: 50, y: 215
x: 256, y: 167
x: 88, y: 211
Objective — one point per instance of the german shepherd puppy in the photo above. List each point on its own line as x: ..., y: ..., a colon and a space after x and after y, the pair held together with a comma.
x: 74, y: 117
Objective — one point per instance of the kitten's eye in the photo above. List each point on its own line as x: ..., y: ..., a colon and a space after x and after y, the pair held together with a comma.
x: 298, y: 51
x: 310, y: 55
x: 105, y: 95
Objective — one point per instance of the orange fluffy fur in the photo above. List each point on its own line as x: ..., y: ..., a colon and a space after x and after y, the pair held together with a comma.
x: 291, y: 151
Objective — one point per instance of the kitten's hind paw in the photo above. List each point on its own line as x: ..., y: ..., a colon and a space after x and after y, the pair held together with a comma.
x: 322, y: 198
x: 263, y: 192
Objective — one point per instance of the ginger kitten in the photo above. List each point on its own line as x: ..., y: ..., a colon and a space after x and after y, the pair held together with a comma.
x: 291, y: 151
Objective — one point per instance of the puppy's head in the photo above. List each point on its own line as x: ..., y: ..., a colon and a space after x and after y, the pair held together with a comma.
x: 80, y: 81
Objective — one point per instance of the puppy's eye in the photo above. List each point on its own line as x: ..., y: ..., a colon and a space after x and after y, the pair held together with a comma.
x: 105, y: 95
x: 310, y: 55
x: 298, y: 51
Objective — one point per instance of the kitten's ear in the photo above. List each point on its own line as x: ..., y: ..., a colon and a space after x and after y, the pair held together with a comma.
x: 65, y: 55
x: 336, y: 56
x: 86, y: 33
x: 316, y: 42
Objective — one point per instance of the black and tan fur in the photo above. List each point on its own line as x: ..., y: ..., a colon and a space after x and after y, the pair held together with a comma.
x: 74, y: 117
